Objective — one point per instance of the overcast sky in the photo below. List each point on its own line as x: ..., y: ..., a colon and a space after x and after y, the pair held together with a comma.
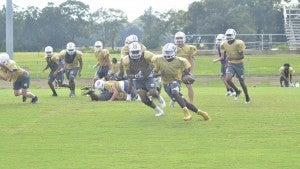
x: 133, y: 8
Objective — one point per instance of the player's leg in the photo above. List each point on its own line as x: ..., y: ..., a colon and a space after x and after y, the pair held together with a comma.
x: 51, y: 79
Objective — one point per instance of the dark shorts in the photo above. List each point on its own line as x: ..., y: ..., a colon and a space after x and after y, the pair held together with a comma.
x: 59, y: 77
x: 235, y: 69
x: 104, y: 95
x: 175, y: 85
x: 101, y: 72
x: 22, y: 82
x: 146, y: 84
x: 72, y: 73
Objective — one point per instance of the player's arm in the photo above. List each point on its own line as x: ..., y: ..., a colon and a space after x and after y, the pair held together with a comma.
x: 80, y: 65
x: 107, y: 61
x: 8, y: 74
x: 45, y: 68
x: 115, y: 93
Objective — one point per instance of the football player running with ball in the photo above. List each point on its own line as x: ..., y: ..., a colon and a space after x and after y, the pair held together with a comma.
x: 234, y: 49
x: 171, y: 68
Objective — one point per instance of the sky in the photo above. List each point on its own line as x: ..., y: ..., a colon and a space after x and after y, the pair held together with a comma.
x: 132, y: 8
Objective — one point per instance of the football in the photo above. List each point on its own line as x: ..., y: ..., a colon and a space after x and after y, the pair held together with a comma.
x: 188, y: 79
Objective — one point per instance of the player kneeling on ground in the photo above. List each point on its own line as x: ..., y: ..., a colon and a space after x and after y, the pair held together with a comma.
x: 286, y: 73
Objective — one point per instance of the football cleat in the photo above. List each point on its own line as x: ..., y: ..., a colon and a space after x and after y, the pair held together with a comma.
x: 24, y: 98
x: 237, y: 94
x: 228, y: 93
x: 204, y: 115
x: 247, y: 100
x: 159, y: 112
x: 34, y: 100
x: 186, y: 114
x: 72, y: 94
x: 128, y: 97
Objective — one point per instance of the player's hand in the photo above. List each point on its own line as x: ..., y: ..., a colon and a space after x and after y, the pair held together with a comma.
x: 215, y: 60
x: 138, y: 75
x: 95, y: 67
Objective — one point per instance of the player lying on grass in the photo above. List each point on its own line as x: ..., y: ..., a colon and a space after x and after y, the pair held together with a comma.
x: 109, y: 90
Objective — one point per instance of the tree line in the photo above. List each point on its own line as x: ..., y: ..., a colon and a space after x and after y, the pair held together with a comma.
x: 72, y: 20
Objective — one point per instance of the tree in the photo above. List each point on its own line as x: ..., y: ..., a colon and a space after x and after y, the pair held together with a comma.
x: 109, y: 23
x: 52, y: 25
x: 76, y: 15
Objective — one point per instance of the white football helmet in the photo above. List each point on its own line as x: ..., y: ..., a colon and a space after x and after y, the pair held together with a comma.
x: 179, y: 38
x: 99, y: 84
x: 131, y: 38
x: 135, y: 50
x: 71, y: 48
x: 48, y: 51
x: 169, y: 51
x: 220, y: 38
x: 230, y: 34
x: 98, y: 46
x: 4, y: 58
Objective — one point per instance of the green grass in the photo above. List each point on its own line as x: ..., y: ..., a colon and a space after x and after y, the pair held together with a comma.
x: 77, y: 133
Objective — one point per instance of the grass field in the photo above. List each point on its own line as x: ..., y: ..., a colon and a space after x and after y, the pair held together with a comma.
x: 75, y: 133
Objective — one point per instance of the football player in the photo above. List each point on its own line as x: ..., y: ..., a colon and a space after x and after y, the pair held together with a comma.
x: 171, y: 68
x: 234, y: 49
x: 188, y: 52
x: 73, y: 64
x: 138, y: 66
x: 286, y: 74
x: 103, y: 65
x: 110, y: 90
x: 125, y: 51
x: 56, y: 70
x: 222, y: 58
x: 11, y: 72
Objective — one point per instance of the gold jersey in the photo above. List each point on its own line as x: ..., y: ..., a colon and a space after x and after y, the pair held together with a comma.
x: 287, y: 74
x: 234, y: 50
x: 115, y: 67
x: 109, y: 84
x: 186, y: 51
x: 63, y: 54
x: 171, y: 70
x: 13, y: 67
x: 102, y: 57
